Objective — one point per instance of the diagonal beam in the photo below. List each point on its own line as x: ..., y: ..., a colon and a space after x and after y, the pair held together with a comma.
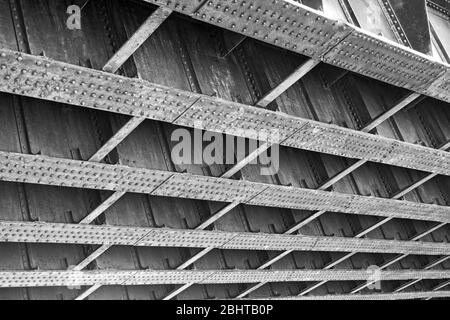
x: 412, y: 98
x: 88, y: 292
x: 91, y: 257
x: 105, y: 205
x: 442, y: 285
x: 218, y: 215
x: 436, y: 293
x: 402, y: 193
x: 118, y: 137
x: 299, y: 73
x: 247, y: 160
x: 137, y: 39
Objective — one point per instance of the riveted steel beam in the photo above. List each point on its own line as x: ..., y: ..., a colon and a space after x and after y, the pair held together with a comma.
x: 30, y: 232
x: 374, y: 296
x: 42, y: 78
x: 22, y: 279
x: 298, y: 28
x: 79, y: 174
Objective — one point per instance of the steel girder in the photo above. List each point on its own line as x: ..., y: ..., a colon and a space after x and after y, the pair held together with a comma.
x: 298, y: 28
x: 43, y: 78
x: 11, y: 279
x: 81, y: 174
x: 374, y: 296
x: 54, y: 233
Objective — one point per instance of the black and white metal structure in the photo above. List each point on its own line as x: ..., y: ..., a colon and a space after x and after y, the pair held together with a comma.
x: 349, y: 100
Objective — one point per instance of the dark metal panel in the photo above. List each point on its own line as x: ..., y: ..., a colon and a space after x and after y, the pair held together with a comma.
x: 9, y: 139
x: 441, y: 30
x: 7, y: 34
x: 315, y: 4
x: 413, y: 19
x: 371, y: 17
x: 47, y: 32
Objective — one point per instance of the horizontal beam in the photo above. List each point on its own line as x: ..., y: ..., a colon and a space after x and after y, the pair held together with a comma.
x: 137, y: 39
x: 55, y: 233
x: 43, y: 78
x: 373, y: 296
x: 298, y: 28
x: 23, y: 279
x: 44, y: 170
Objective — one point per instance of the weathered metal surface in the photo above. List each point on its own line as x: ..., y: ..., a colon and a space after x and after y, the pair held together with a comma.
x: 351, y: 48
x: 10, y: 279
x: 194, y: 61
x: 213, y: 114
x: 283, y: 23
x: 441, y: 5
x: 150, y: 237
x: 411, y: 18
x: 385, y: 61
x: 374, y: 296
x: 143, y: 33
x: 79, y: 174
x: 372, y: 16
x: 70, y: 173
x: 44, y: 78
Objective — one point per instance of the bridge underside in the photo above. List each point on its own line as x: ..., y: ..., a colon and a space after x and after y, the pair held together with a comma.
x: 94, y: 204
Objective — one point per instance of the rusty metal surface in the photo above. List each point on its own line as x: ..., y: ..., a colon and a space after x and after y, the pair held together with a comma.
x: 190, y: 57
